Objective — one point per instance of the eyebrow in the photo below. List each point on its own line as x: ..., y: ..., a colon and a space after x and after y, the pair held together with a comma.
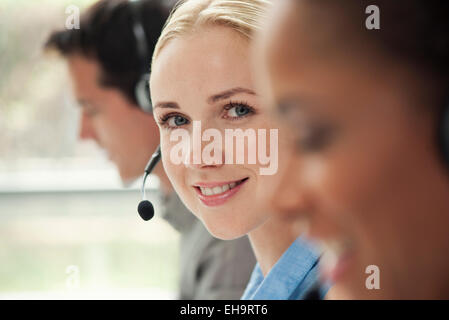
x: 212, y: 99
x: 172, y: 105
x: 229, y: 93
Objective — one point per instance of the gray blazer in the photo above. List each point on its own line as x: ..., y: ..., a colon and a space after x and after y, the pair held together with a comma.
x: 210, y: 268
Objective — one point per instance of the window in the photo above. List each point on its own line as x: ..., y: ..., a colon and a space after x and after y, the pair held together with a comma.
x: 68, y: 229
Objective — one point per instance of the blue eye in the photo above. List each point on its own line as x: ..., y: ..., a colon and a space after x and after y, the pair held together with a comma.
x: 238, y: 110
x: 173, y: 120
x: 177, y: 121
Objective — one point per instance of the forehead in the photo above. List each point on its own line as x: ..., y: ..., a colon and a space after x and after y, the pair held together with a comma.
x: 296, y: 33
x: 305, y: 33
x: 311, y: 43
x: 207, y: 61
x: 84, y: 74
x: 83, y: 69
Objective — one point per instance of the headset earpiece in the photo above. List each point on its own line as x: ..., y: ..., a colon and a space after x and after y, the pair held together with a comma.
x: 142, y: 92
x: 141, y: 89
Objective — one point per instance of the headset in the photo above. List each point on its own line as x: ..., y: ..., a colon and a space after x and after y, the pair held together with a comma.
x: 141, y: 89
x: 143, y: 98
x: 145, y: 208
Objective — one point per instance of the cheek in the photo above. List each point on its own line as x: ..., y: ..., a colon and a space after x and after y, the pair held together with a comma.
x: 340, y: 188
x: 104, y: 131
x: 112, y: 123
x: 173, y: 170
x: 345, y: 190
x: 357, y: 194
x: 176, y: 172
x: 287, y: 167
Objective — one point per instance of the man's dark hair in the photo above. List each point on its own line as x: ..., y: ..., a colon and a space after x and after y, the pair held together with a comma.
x: 106, y: 35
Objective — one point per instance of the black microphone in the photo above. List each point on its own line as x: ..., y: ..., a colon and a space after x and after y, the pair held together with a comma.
x: 313, y: 293
x: 145, y: 208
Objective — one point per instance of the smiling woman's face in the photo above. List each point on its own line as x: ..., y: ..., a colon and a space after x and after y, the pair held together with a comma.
x: 206, y: 76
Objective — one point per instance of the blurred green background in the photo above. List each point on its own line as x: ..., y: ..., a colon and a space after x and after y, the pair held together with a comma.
x: 68, y: 229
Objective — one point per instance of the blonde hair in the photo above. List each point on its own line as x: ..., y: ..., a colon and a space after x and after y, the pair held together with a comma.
x: 243, y: 16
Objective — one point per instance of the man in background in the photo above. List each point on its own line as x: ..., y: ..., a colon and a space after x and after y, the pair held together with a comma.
x: 108, y: 59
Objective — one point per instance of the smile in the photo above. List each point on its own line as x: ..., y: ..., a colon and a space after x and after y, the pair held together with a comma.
x: 337, y: 259
x: 217, y: 193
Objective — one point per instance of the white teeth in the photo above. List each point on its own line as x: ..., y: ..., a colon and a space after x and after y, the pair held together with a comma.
x: 338, y: 246
x: 329, y: 259
x: 217, y: 190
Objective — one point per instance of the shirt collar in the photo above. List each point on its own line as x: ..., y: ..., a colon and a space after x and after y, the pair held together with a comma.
x: 286, y: 275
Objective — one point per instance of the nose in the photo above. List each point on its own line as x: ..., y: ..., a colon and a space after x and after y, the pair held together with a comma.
x: 87, y: 130
x: 206, y: 154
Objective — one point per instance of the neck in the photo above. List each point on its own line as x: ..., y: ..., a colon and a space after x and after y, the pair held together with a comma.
x: 270, y: 241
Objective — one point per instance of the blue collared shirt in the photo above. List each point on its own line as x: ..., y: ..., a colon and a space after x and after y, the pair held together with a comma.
x: 293, y: 275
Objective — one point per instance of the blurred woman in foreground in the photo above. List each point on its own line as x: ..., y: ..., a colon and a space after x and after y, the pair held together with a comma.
x: 368, y: 112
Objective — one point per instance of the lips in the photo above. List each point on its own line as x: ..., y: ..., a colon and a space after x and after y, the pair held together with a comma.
x: 217, y: 193
x: 337, y: 259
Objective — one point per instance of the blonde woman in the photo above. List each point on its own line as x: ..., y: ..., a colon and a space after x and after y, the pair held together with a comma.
x: 201, y: 74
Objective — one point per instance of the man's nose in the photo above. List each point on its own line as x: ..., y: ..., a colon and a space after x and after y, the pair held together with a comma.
x: 86, y: 129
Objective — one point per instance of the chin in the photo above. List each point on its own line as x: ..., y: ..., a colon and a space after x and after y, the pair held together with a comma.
x: 227, y: 221
x: 223, y: 229
x: 128, y: 177
x: 353, y: 288
x: 224, y: 234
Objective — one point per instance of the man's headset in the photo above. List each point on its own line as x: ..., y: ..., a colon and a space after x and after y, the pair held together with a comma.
x: 143, y: 98
x: 141, y: 89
